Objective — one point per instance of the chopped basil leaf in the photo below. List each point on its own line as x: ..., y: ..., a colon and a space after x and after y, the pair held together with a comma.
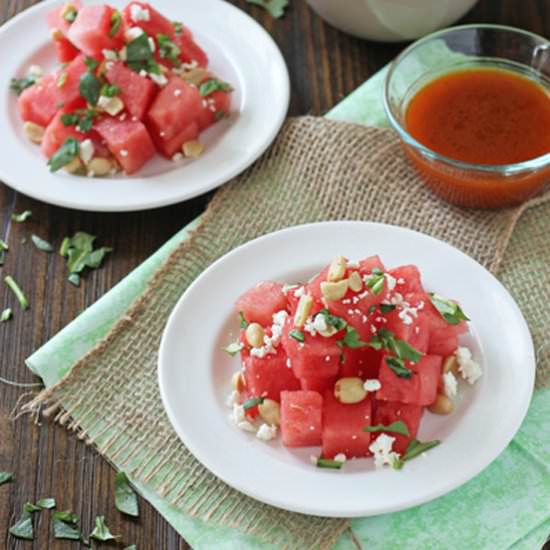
x: 20, y: 218
x: 41, y: 244
x: 214, y: 85
x: 23, y: 240
x: 234, y: 348
x: 450, y: 311
x: 87, y: 121
x: 90, y: 86
x: 6, y: 315
x: 61, y: 79
x: 218, y: 115
x: 276, y: 8
x: 332, y: 320
x: 74, y: 279
x: 138, y: 53
x: 385, y: 339
x: 6, y: 477
x: 398, y: 367
x: 23, y: 529
x: 14, y: 287
x: 243, y: 321
x: 126, y: 500
x: 110, y: 90
x: 91, y: 63
x: 101, y: 531
x: 64, y: 526
x: 69, y: 119
x: 80, y: 253
x: 31, y: 508
x: 168, y: 49
x: 351, y: 340
x: 3, y: 245
x: 131, y: 547
x: 178, y: 27
x: 116, y: 22
x: 82, y: 119
x: 377, y: 271
x: 47, y: 503
x: 64, y: 248
x: 252, y: 402
x: 69, y: 13
x: 95, y: 258
x: 398, y: 427
x: 64, y: 155
x: 386, y: 308
x: 371, y: 309
x: 376, y: 282
x: 328, y: 463
x: 297, y: 335
x: 19, y: 84
x: 2, y: 257
x: 414, y: 449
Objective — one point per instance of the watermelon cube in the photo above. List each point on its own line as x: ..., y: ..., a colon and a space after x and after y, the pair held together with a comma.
x: 38, y: 103
x: 260, y: 302
x: 442, y: 342
x: 301, y: 418
x: 409, y: 279
x: 91, y: 29
x: 387, y: 412
x: 136, y: 91
x: 370, y: 263
x: 66, y: 52
x: 147, y: 18
x: 361, y: 362
x: 56, y: 21
x: 128, y: 141
x: 419, y: 389
x: 318, y: 383
x: 268, y: 376
x: 190, y: 51
x: 68, y: 82
x: 343, y: 427
x: 57, y: 133
x: 218, y: 104
x: 412, y: 327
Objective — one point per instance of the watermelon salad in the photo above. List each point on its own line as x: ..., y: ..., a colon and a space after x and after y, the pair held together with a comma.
x: 349, y: 362
x: 130, y: 84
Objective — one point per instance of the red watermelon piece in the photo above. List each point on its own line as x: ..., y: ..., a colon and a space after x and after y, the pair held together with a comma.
x: 260, y: 302
x: 57, y: 133
x: 66, y: 52
x: 387, y: 412
x: 128, y: 141
x: 38, y: 103
x: 156, y: 23
x: 56, y: 22
x: 301, y: 418
x: 68, y: 82
x: 370, y: 263
x: 190, y: 51
x: 318, y: 383
x: 361, y: 362
x: 215, y: 106
x: 411, y: 279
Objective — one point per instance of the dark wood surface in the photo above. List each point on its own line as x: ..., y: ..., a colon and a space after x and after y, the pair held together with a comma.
x: 325, y: 65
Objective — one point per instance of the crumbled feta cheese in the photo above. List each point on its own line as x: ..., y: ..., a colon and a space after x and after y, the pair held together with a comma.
x: 320, y: 323
x: 397, y: 299
x: 177, y: 157
x: 177, y: 92
x: 35, y: 71
x: 238, y: 417
x: 232, y: 399
x: 299, y: 292
x: 109, y: 55
x: 449, y: 384
x: 87, y: 151
x: 372, y: 384
x: 204, y: 103
x: 143, y: 73
x: 111, y: 105
x: 152, y: 45
x: 340, y: 457
x: 159, y: 79
x: 123, y: 54
x: 280, y: 317
x: 109, y: 65
x: 381, y: 448
x: 263, y: 351
x: 137, y: 13
x: 405, y: 317
x: 266, y: 432
x: 162, y: 134
x: 391, y: 282
x: 400, y: 281
x: 132, y: 33
x: 246, y: 426
x: 469, y: 369
x: 123, y: 153
x: 288, y: 364
x: 122, y: 117
x: 288, y: 288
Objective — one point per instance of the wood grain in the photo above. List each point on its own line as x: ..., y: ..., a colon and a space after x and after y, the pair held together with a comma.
x: 325, y: 66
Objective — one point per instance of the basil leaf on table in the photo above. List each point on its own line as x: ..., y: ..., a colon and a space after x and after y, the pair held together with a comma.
x: 126, y: 500
x: 6, y: 477
x: 276, y: 8
x: 19, y: 294
x: 22, y: 528
x: 101, y: 531
x: 46, y: 503
x: 64, y: 526
x: 22, y: 217
x: 41, y: 244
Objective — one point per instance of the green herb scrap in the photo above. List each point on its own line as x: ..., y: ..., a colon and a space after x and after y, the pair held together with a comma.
x: 83, y: 119
x: 450, y: 311
x: 351, y: 340
x: 64, y: 155
x: 80, y: 253
x: 18, y: 85
x: 3, y: 248
x: 376, y: 281
x: 332, y: 320
x: 297, y: 335
x: 6, y: 477
x: 65, y: 526
x: 385, y: 339
x: 386, y: 308
x: 397, y: 365
x: 126, y: 500
x: 140, y: 57
x: 243, y: 322
x: 414, y: 449
x: 214, y: 85
x: 252, y: 402
x: 178, y: 27
x: 19, y: 294
x: 41, y: 244
x: 398, y: 427
x: 116, y: 22
x: 20, y: 218
x: 46, y: 503
x: 101, y: 531
x: 168, y: 49
x: 110, y: 90
x: 234, y: 348
x: 276, y: 8
x: 22, y: 528
x: 6, y: 315
x: 328, y: 463
x: 90, y: 86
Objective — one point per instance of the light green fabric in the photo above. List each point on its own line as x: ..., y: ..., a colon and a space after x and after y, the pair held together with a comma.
x: 506, y: 506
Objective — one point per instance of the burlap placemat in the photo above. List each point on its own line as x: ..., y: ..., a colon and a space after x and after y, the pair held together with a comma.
x: 317, y: 170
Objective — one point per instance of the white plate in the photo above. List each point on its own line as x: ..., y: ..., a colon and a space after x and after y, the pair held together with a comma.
x: 194, y: 374
x: 240, y: 52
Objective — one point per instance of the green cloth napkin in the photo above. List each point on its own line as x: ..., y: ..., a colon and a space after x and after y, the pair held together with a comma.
x: 506, y: 506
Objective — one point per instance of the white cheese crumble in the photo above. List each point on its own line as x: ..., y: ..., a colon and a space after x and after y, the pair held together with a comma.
x: 123, y: 153
x: 271, y: 342
x: 122, y: 54
x: 280, y: 317
x: 137, y: 13
x: 288, y: 288
x: 35, y: 71
x: 266, y: 432
x: 132, y: 33
x: 469, y: 369
x: 238, y: 417
x: 340, y: 457
x: 177, y: 157
x: 390, y: 280
x: 299, y: 292
x: 109, y: 55
x: 232, y: 399
x: 159, y: 79
x: 288, y: 364
x: 397, y: 299
x: 87, y: 151
x: 177, y: 92
x: 372, y: 384
x: 381, y: 448
x: 449, y: 385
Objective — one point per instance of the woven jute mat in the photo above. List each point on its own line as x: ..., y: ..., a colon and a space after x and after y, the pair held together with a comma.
x: 316, y: 170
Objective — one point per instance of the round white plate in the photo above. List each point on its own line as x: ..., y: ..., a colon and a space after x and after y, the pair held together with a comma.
x: 194, y: 374
x: 240, y: 52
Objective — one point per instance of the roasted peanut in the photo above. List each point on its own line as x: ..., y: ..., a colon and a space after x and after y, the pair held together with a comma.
x: 349, y: 390
x: 441, y: 405
x: 255, y: 335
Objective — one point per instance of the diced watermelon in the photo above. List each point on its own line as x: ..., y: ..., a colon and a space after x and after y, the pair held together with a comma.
x: 409, y: 279
x: 387, y: 412
x: 343, y: 427
x: 362, y: 362
x: 218, y: 105
x: 155, y: 23
x: 370, y: 263
x: 419, y: 389
x: 318, y: 383
x: 57, y: 133
x: 91, y: 29
x: 410, y: 324
x: 189, y: 50
x: 128, y: 141
x: 173, y: 115
x: 136, y: 91
x: 269, y: 375
x: 301, y: 418
x: 442, y: 342
x: 56, y: 22
x: 260, y: 302
x: 66, y: 52
x: 38, y: 103
x: 68, y: 82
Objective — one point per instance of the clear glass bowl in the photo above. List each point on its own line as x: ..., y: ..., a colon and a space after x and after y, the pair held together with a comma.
x: 459, y: 48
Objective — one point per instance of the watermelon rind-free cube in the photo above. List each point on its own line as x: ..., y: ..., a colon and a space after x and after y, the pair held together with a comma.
x: 301, y: 418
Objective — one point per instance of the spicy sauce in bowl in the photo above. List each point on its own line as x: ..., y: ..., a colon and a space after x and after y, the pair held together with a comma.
x: 477, y: 127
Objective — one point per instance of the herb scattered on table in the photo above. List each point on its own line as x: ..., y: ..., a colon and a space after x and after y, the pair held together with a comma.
x: 6, y: 477
x: 23, y: 217
x: 41, y: 244
x: 46, y: 503
x: 276, y: 8
x: 14, y: 287
x: 3, y: 248
x: 126, y: 500
x: 101, y: 531
x: 22, y: 528
x: 65, y: 526
x: 131, y: 547
x: 414, y: 449
x: 6, y: 315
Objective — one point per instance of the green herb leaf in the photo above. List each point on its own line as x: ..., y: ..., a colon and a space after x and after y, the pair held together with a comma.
x: 234, y: 348
x: 69, y: 119
x: 90, y: 86
x: 3, y: 245
x: 74, y: 279
x: 41, y: 244
x: 86, y: 122
x: 19, y: 84
x: 6, y: 315
x: 20, y: 218
x: 386, y: 308
x: 2, y: 257
x: 138, y: 53
x: 297, y: 335
x: 276, y: 8
x: 61, y: 79
x: 23, y: 529
x: 398, y: 427
x: 332, y: 320
x: 64, y: 526
x: 116, y: 22
x: 47, y: 503
x: 91, y: 63
x: 328, y: 463
x: 398, y: 367
x: 252, y: 402
x: 6, y: 477
x: 110, y: 90
x: 126, y: 500
x: 178, y: 27
x: 385, y: 339
x: 450, y: 311
x: 101, y: 531
x: 351, y: 340
x: 214, y: 85
x: 168, y: 49
x: 14, y: 287
x: 218, y: 115
x: 376, y: 281
x: 66, y: 517
x: 64, y: 248
x: 31, y: 508
x: 131, y: 547
x: 243, y: 321
x: 64, y: 155
x: 69, y: 13
x: 414, y: 449
x: 96, y: 257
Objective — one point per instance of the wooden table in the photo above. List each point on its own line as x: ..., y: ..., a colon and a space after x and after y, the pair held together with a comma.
x: 325, y: 66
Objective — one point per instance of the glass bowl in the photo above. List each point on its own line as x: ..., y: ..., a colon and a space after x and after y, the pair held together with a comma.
x: 458, y: 48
